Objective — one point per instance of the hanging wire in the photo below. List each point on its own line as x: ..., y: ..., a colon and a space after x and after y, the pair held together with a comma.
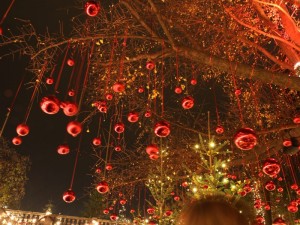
x: 7, y: 11
x: 76, y: 162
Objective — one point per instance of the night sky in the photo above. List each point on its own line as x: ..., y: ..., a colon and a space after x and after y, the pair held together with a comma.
x: 50, y: 173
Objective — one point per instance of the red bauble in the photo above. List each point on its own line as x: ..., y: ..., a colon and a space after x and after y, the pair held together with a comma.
x: 17, y: 140
x: 97, y: 141
x: 123, y: 201
x: 294, y: 187
x: 176, y: 198
x: 298, y: 192
x: 105, y: 211
x: 74, y: 128
x: 247, y: 188
x: 108, y: 166
x: 162, y: 129
x: 287, y: 143
x: 152, y: 149
x: 237, y: 92
x: 280, y: 189
x: 118, y: 148
x: 267, y: 207
x: 118, y: 87
x: 119, y: 128
x: 98, y: 170
x: 271, y: 167
x: 193, y: 81
x: 279, y: 221
x: 111, y: 208
x: 92, y: 8
x: 71, y: 93
x: 185, y: 184
x: 220, y: 129
x: 153, y: 156
x: 150, y: 211
x: 260, y: 219
x: 133, y: 117
x: 63, y: 149
x: 148, y: 114
x: 292, y: 208
x: 245, y: 139
x: 150, y: 65
x: 50, y: 105
x: 270, y: 186
x: 69, y: 109
x: 114, y: 217
x: 109, y: 96
x: 102, y: 187
x: 178, y: 90
x: 22, y: 129
x: 242, y: 193
x: 69, y: 196
x: 132, y: 211
x: 188, y: 102
x: 168, y: 213
x: 296, y: 119
x: 70, y: 62
x: 49, y: 80
x: 141, y: 90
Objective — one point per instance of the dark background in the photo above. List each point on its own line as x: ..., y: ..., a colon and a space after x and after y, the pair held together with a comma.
x: 50, y: 173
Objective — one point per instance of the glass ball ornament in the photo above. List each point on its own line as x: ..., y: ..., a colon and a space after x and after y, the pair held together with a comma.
x: 92, y: 8
x: 260, y: 219
x: 292, y: 208
x: 69, y: 196
x: 50, y: 105
x: 133, y: 117
x: 74, y: 128
x: 113, y: 217
x: 98, y: 170
x: 150, y: 211
x: 280, y: 189
x: 118, y: 148
x: 294, y: 187
x: 184, y: 184
x: 152, y: 149
x: 271, y: 167
x: 245, y: 139
x: 22, y: 129
x: 102, y: 187
x: 176, y: 198
x: 247, y: 188
x: 132, y: 211
x: 63, y: 149
x: 147, y: 114
x: 71, y: 93
x: 270, y: 186
x: 109, y: 96
x: 105, y: 211
x: 96, y: 141
x: 70, y: 62
x: 69, y: 108
x: 140, y: 90
x: 162, y: 129
x: 296, y: 118
x: 49, y: 80
x: 238, y: 92
x: 119, y: 128
x: 168, y: 213
x: 279, y: 221
x: 108, y: 167
x: 118, y: 87
x: 188, y: 102
x: 150, y: 65
x: 123, y: 201
x: 219, y: 129
x: 193, y: 81
x: 287, y: 142
x: 17, y: 140
x: 178, y: 90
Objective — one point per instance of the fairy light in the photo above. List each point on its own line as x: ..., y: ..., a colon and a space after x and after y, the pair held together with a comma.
x: 197, y: 146
x: 212, y: 144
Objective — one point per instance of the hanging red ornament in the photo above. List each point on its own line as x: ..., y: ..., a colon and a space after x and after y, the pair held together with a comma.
x: 69, y: 196
x: 69, y: 108
x: 172, y: 193
x: 153, y: 156
x: 247, y: 188
x: 267, y: 207
x: 271, y: 167
x: 220, y: 129
x: 108, y: 166
x: 1, y: 31
x: 123, y: 201
x: 178, y: 90
x: 70, y: 62
x: 150, y: 65
x: 105, y: 211
x: 292, y: 208
x: 298, y: 192
x: 245, y: 139
x: 168, y: 213
x: 150, y: 211
x: 119, y: 127
x: 295, y: 203
x: 63, y: 149
x: 287, y: 143
x: 176, y: 198
x: 148, y: 114
x: 118, y: 87
x: 22, y: 129
x: 294, y: 187
x: 193, y: 81
x: 133, y: 117
x: 296, y: 119
x: 97, y: 141
x: 49, y: 80
x: 102, y: 187
x: 242, y: 193
x: 185, y: 184
x: 279, y: 221
x: 237, y: 92
x: 162, y: 129
x: 74, y: 128
x: 71, y: 93
x: 50, y: 105
x: 141, y: 90
x: 98, y: 170
x: 111, y: 208
x: 92, y: 8
x: 270, y: 186
x: 260, y: 219
x: 188, y: 102
x: 109, y: 96
x: 118, y: 148
x: 17, y: 140
x: 132, y: 211
x: 114, y: 217
x: 280, y: 189
x: 152, y: 149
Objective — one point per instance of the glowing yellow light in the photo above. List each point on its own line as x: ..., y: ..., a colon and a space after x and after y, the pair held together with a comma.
x: 225, y: 180
x: 212, y: 144
x: 194, y: 190
x: 223, y: 165
x: 197, y: 146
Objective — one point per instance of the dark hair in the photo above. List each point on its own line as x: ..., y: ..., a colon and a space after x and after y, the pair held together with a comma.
x: 213, y: 211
